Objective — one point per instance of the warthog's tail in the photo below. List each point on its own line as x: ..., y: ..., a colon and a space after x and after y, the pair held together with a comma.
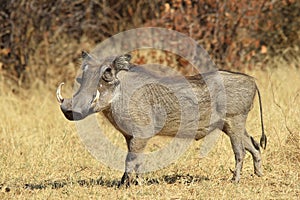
x: 263, y: 139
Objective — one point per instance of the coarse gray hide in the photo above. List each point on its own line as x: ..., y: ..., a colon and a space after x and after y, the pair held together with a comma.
x: 142, y: 104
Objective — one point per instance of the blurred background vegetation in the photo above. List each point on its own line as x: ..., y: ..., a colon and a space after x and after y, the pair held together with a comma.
x: 41, y: 40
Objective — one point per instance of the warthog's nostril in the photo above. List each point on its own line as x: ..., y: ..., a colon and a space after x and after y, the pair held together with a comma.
x: 77, y: 115
x: 71, y: 115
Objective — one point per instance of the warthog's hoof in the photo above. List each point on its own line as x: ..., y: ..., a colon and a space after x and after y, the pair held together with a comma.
x: 125, y: 181
x: 258, y: 173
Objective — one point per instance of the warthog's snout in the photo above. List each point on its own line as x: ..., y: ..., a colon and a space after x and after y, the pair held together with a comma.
x: 74, y: 108
x: 71, y: 114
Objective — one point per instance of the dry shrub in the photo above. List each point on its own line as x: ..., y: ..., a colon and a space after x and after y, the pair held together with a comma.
x: 39, y: 40
x: 237, y: 34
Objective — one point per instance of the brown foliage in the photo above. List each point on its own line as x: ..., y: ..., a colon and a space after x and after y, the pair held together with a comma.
x: 43, y: 39
x: 236, y: 33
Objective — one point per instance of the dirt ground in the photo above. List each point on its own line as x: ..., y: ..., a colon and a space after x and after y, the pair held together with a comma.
x: 42, y: 156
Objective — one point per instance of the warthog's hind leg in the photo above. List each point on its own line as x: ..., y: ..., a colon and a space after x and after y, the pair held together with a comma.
x: 239, y: 154
x: 234, y: 127
x: 253, y: 147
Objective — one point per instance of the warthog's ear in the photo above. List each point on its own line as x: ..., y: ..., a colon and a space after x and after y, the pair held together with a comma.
x: 122, y: 62
x: 86, y: 56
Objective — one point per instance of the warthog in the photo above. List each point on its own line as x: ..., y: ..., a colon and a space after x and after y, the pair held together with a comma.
x: 103, y: 87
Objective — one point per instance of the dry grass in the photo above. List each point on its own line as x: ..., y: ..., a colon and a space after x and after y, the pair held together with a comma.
x: 42, y: 157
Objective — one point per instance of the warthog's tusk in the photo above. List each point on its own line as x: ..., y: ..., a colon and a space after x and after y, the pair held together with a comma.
x: 59, y: 98
x: 96, y: 97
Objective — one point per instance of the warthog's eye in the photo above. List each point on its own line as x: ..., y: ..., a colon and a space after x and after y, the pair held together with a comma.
x: 107, y: 75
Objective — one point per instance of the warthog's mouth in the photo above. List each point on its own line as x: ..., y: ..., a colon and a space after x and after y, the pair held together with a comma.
x: 66, y: 106
x: 72, y: 116
x: 76, y: 116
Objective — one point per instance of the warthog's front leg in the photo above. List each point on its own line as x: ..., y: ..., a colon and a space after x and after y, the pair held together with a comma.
x: 134, y: 158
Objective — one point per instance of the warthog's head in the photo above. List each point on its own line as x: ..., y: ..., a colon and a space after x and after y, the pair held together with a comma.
x: 97, y: 84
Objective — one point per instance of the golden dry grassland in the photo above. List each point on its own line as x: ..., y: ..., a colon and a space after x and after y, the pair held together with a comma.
x: 42, y: 156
